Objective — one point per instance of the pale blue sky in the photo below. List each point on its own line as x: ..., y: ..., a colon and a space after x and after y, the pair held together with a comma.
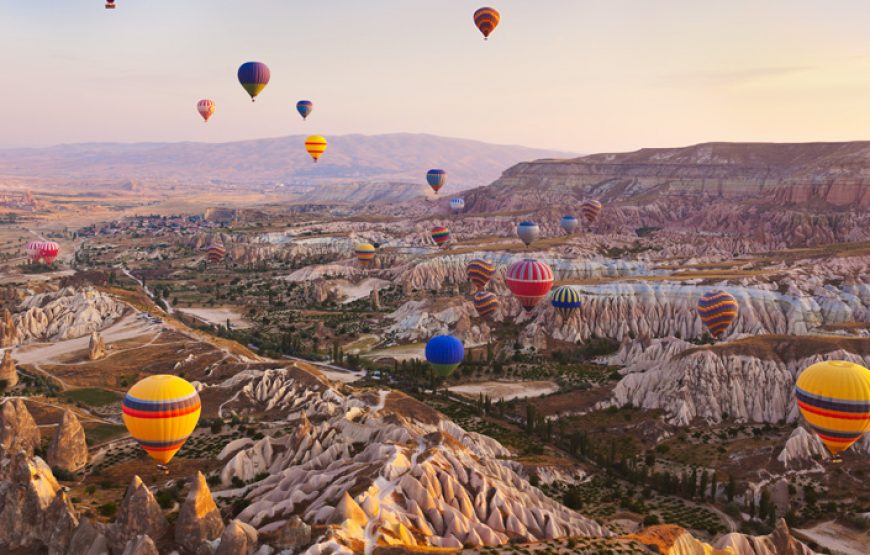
x: 579, y: 75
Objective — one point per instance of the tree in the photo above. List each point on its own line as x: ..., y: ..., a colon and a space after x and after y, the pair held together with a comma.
x: 764, y: 504
x: 713, y: 486
x: 702, y: 493
x: 731, y: 488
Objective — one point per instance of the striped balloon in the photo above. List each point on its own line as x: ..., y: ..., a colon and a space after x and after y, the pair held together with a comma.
x: 529, y: 281
x: 304, y: 107
x: 718, y: 311
x: 591, y: 209
x: 486, y: 303
x: 440, y: 234
x: 528, y: 232
x: 569, y: 223
x: 834, y: 398
x: 205, y: 107
x: 254, y: 76
x: 215, y: 252
x: 457, y: 205
x: 32, y: 249
x: 486, y: 20
x: 566, y: 300
x: 436, y: 179
x: 110, y: 4
x: 315, y: 145
x: 365, y: 253
x: 161, y: 412
x: 480, y: 271
x: 48, y: 251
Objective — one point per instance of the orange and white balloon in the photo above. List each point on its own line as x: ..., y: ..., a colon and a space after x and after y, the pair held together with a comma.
x: 205, y: 107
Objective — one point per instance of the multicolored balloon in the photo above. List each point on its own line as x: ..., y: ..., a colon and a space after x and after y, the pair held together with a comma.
x: 316, y: 146
x: 205, y: 107
x: 485, y: 303
x: 457, y: 205
x: 110, y: 4
x: 528, y: 232
x: 834, y: 398
x: 304, y: 107
x: 161, y: 412
x: 254, y: 76
x: 591, y: 209
x: 215, y: 252
x: 436, y: 179
x: 45, y: 251
x: 480, y: 271
x: 566, y: 300
x: 718, y: 310
x: 365, y: 253
x: 569, y: 223
x: 444, y: 353
x: 529, y: 281
x: 440, y: 234
x: 486, y: 20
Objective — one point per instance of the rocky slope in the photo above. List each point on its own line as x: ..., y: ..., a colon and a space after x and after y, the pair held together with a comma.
x: 65, y: 314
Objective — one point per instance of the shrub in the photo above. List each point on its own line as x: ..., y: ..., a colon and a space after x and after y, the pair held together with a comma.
x: 108, y: 510
x: 651, y: 520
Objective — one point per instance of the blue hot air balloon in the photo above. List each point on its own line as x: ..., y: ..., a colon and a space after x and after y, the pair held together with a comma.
x: 436, y: 179
x: 528, y: 232
x: 304, y: 107
x: 445, y: 354
x: 457, y: 205
x: 570, y: 224
x: 254, y: 76
x: 566, y: 300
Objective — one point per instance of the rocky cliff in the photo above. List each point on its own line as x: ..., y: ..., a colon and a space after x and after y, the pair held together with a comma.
x: 65, y: 314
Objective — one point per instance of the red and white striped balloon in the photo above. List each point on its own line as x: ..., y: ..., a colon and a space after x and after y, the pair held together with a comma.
x: 529, y: 281
x: 45, y: 251
x: 205, y: 107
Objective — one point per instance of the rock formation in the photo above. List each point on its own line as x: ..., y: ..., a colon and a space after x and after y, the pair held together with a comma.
x: 96, y: 347
x: 140, y: 545
x: 18, y: 430
x: 375, y: 298
x: 199, y: 519
x: 238, y: 538
x: 89, y: 538
x: 66, y: 314
x: 139, y: 514
x: 293, y: 535
x: 780, y: 542
x: 68, y: 449
x: 8, y: 372
x: 8, y: 331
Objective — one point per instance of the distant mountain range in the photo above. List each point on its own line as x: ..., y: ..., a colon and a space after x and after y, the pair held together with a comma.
x: 392, y: 158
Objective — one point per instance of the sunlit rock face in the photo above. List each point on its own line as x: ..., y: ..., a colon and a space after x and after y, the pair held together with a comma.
x: 65, y: 314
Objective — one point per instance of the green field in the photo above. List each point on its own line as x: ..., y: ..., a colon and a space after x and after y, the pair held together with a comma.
x: 92, y: 396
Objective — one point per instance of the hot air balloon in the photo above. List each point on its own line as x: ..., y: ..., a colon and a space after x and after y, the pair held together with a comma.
x: 528, y: 232
x: 205, y: 107
x: 529, y: 281
x: 110, y: 4
x: 436, y: 179
x: 444, y: 353
x: 254, y: 76
x: 569, y: 223
x: 365, y: 253
x: 591, y: 209
x: 315, y: 145
x: 32, y: 250
x: 480, y: 272
x: 160, y: 412
x: 486, y: 303
x: 566, y: 300
x: 834, y: 398
x: 486, y: 20
x: 304, y: 107
x: 47, y: 251
x: 457, y: 205
x: 215, y: 252
x: 440, y: 234
x: 718, y: 311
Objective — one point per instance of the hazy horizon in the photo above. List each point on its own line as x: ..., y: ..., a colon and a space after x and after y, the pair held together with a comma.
x: 579, y: 77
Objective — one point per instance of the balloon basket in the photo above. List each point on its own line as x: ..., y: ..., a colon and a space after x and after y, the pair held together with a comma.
x: 837, y: 459
x: 163, y: 469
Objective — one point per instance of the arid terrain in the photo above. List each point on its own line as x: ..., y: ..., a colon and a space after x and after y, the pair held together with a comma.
x: 624, y: 428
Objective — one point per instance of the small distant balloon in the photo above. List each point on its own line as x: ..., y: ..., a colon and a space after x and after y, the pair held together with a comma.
x: 365, y: 254
x: 480, y: 271
x: 436, y: 179
x: 528, y: 232
x: 110, y: 4
x: 205, y: 107
x: 485, y: 303
x: 569, y: 223
x: 215, y: 252
x: 441, y: 235
x: 718, y: 310
x: 457, y: 205
x: 444, y: 353
x: 316, y: 146
x: 486, y: 20
x: 529, y: 281
x: 566, y: 300
x: 254, y: 76
x: 304, y: 107
x: 591, y: 209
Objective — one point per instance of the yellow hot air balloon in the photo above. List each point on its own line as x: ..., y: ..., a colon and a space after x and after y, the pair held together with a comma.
x: 315, y: 145
x: 834, y: 398
x: 365, y: 253
x: 160, y: 412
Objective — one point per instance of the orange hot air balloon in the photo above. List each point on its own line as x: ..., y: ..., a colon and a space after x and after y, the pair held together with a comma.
x: 487, y: 20
x: 205, y: 107
x: 316, y: 146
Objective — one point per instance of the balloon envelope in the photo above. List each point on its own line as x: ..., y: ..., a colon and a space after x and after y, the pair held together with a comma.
x: 365, y: 253
x: 440, y: 234
x: 480, y: 271
x: 436, y: 179
x: 316, y: 146
x: 254, y: 76
x: 566, y: 300
x: 304, y: 107
x: 528, y: 232
x: 457, y: 205
x: 215, y: 252
x: 591, y: 209
x: 569, y: 224
x: 444, y: 353
x: 529, y: 281
x: 834, y: 398
x: 486, y: 20
x: 161, y: 412
x: 485, y: 303
x: 718, y: 311
x: 205, y: 107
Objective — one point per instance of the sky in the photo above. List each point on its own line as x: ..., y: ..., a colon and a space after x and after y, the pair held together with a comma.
x: 575, y: 75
